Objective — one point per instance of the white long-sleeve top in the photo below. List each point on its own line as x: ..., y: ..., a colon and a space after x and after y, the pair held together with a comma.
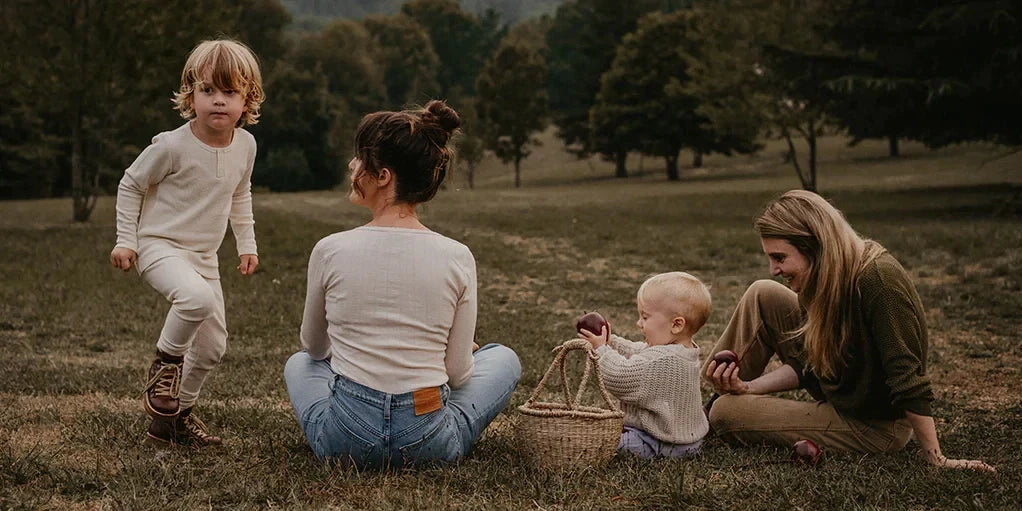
x: 178, y: 195
x: 393, y: 308
x: 658, y: 387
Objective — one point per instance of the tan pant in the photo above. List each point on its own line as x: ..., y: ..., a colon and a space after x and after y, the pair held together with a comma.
x: 195, y: 327
x: 758, y: 330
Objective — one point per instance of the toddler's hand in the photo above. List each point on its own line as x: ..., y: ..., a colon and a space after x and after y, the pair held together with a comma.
x: 594, y: 339
x: 122, y: 258
x: 248, y: 265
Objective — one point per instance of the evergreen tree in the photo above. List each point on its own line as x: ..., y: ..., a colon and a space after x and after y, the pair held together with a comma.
x: 938, y: 72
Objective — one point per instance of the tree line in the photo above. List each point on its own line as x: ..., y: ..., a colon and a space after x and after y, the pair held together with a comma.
x: 86, y: 83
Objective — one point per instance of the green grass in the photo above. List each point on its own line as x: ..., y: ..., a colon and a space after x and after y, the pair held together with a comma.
x: 76, y: 336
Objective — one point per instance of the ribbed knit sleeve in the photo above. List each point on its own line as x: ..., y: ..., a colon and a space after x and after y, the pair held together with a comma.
x: 458, y: 359
x: 899, y: 335
x: 314, y: 321
x: 624, y: 377
x: 626, y: 347
x: 151, y: 166
x: 242, y: 220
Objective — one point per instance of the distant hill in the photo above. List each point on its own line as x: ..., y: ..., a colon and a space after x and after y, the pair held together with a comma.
x: 511, y: 11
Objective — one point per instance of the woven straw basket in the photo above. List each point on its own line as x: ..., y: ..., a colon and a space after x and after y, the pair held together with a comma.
x: 569, y: 435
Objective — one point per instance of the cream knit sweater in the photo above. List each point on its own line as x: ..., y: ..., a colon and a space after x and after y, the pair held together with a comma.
x: 658, y: 387
x: 176, y: 199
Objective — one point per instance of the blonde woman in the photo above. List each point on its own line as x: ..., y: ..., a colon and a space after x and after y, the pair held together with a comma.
x: 850, y: 330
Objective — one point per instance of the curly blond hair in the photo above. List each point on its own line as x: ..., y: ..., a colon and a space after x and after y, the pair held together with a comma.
x: 230, y: 65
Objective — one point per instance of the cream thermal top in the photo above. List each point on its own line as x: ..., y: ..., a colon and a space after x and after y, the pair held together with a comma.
x: 658, y: 387
x: 178, y: 195
x: 393, y: 308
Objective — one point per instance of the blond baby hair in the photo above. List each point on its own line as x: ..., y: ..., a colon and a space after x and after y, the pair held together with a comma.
x: 231, y: 65
x: 684, y: 294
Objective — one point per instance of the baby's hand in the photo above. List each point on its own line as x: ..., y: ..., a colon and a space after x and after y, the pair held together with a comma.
x: 248, y: 265
x: 594, y: 339
x: 122, y: 258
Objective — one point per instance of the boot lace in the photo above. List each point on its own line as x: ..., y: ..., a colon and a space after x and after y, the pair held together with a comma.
x: 196, y: 428
x: 166, y: 382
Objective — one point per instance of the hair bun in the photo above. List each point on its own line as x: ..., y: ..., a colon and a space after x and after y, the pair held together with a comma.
x: 445, y: 116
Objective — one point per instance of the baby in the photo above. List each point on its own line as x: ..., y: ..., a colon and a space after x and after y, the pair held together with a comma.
x: 657, y: 381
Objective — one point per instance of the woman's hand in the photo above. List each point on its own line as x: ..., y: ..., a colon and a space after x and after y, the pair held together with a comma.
x: 937, y: 459
x: 724, y: 378
x: 926, y: 435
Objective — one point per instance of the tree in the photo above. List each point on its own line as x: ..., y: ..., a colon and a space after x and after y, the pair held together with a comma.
x: 938, y: 72
x: 96, y: 76
x: 765, y: 82
x: 582, y: 41
x: 409, y: 63
x: 297, y: 150
x: 725, y: 72
x: 643, y: 103
x: 345, y: 55
x: 461, y: 41
x: 470, y: 144
x: 512, y: 102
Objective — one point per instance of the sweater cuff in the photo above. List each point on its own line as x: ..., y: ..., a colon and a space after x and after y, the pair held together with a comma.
x: 803, y: 379
x: 917, y: 406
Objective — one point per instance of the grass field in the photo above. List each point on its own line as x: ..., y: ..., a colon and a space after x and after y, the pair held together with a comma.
x: 76, y: 336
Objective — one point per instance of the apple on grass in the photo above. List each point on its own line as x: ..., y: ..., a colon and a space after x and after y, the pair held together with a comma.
x: 807, y: 452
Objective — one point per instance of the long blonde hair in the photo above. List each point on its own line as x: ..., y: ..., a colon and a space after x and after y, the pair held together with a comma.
x: 837, y: 255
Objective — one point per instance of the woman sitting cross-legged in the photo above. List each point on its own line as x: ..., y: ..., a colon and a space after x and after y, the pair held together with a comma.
x: 850, y: 330
x: 388, y: 376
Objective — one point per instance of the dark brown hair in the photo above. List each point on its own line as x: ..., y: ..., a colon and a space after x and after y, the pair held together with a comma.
x: 412, y: 144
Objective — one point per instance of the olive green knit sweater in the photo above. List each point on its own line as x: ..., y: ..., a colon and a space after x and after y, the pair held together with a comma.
x: 886, y: 359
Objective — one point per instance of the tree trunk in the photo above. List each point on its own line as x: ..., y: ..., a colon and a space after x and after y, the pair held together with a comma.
x: 81, y: 194
x: 518, y: 179
x: 892, y: 146
x: 697, y: 160
x: 471, y: 175
x: 792, y: 156
x: 672, y: 167
x: 812, y: 159
x: 619, y: 164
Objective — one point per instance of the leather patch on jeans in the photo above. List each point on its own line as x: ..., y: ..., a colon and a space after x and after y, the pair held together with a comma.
x: 427, y: 400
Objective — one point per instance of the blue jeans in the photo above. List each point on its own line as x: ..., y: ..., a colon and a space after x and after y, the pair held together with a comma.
x: 354, y: 424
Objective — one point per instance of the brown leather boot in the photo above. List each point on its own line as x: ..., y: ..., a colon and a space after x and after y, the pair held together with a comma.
x: 161, y: 434
x: 189, y: 430
x: 160, y: 395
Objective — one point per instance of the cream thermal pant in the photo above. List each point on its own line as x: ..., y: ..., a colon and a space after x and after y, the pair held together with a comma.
x: 195, y: 327
x: 758, y: 330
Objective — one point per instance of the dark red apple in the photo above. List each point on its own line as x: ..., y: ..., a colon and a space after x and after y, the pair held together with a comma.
x: 725, y: 357
x: 807, y: 452
x: 592, y: 321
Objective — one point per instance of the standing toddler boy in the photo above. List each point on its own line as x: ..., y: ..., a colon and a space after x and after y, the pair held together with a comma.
x: 173, y: 206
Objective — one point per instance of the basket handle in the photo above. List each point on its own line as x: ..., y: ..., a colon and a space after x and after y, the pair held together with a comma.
x: 590, y: 366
